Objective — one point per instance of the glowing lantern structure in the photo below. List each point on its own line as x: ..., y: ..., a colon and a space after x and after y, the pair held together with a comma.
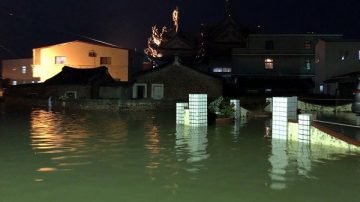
x: 166, y: 43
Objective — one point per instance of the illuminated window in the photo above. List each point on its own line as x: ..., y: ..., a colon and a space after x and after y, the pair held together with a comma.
x: 269, y: 45
x: 105, y: 60
x: 14, y: 83
x: 269, y: 63
x: 307, y: 45
x: 23, y: 69
x: 359, y: 54
x: 345, y: 55
x: 321, y: 89
x: 60, y: 59
x: 222, y: 69
x: 307, y: 64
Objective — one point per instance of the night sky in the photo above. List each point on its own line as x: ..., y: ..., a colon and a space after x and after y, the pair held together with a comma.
x: 26, y: 24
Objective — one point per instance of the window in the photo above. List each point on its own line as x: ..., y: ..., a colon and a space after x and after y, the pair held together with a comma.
x: 60, y: 59
x: 359, y: 54
x: 14, y: 83
x: 222, y: 69
x: 345, y: 55
x: 307, y: 45
x: 92, y: 54
x: 269, y: 45
x: 23, y: 69
x: 307, y: 64
x: 157, y: 91
x: 105, y: 60
x: 71, y: 94
x: 269, y: 63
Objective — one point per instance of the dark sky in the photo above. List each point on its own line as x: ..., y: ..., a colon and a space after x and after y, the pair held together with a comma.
x: 26, y: 24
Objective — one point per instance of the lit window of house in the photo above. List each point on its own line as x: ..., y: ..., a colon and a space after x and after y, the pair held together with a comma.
x: 222, y: 69
x: 307, y: 45
x: 345, y: 55
x: 105, y: 60
x: 14, y: 83
x: 307, y: 64
x: 359, y: 54
x: 269, y: 63
x: 269, y: 45
x: 60, y: 59
x: 23, y: 69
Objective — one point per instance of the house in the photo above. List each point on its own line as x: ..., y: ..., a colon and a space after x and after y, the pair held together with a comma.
x: 175, y: 82
x: 74, y: 83
x: 337, y: 66
x: 87, y: 83
x: 18, y: 71
x: 121, y: 63
x: 273, y: 63
x: 248, y: 61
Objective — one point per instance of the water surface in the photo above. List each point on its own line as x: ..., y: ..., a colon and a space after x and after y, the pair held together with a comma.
x: 109, y: 156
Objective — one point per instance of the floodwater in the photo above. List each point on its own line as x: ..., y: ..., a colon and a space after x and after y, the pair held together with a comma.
x: 109, y: 156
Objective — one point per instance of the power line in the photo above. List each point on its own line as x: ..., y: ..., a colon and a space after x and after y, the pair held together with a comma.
x: 56, y: 29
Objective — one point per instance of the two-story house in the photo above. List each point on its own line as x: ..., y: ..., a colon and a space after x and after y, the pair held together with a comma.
x: 121, y: 63
x: 18, y: 71
x: 273, y: 63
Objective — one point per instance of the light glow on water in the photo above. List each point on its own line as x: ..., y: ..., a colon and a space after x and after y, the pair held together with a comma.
x: 109, y: 156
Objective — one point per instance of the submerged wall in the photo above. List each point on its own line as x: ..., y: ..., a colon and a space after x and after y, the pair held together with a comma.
x: 325, y: 137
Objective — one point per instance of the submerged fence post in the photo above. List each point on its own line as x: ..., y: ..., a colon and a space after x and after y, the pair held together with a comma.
x: 304, y: 131
x: 284, y: 108
x: 279, y: 118
x: 198, y: 109
x: 292, y: 108
x: 180, y: 112
x: 237, y: 108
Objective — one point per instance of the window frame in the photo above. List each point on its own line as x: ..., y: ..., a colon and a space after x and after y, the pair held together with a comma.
x: 269, y: 63
x: 105, y: 60
x: 60, y: 60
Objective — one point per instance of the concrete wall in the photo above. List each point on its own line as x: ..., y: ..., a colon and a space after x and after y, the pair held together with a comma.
x: 303, y: 106
x: 77, y: 55
x: 324, y: 137
x: 42, y: 91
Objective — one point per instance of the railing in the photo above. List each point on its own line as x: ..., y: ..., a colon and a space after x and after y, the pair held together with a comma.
x: 339, y: 124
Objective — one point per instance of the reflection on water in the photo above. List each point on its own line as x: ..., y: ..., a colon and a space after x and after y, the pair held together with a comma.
x: 191, y: 141
x: 279, y: 160
x: 287, y: 157
x: 147, y: 157
x: 49, y: 133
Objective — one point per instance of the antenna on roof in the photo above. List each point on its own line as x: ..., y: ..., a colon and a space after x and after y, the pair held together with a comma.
x: 228, y: 8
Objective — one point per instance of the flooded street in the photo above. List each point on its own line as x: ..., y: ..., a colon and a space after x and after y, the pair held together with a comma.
x: 144, y: 156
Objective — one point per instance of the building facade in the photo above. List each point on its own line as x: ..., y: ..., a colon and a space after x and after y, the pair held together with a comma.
x: 18, y: 71
x: 175, y: 82
x: 121, y: 63
x: 335, y: 58
x: 273, y: 63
